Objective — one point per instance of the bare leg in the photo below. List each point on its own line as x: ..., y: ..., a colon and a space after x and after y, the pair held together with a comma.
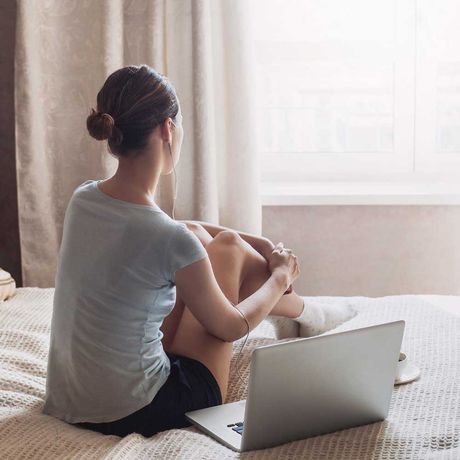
x: 171, y: 322
x: 191, y: 339
x: 255, y: 274
x: 235, y: 264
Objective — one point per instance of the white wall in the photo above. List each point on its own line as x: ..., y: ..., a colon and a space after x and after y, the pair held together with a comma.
x: 370, y: 250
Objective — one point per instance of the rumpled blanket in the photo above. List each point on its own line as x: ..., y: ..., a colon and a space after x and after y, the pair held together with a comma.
x: 423, y: 421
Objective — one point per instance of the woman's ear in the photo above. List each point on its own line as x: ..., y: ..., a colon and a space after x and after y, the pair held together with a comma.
x: 166, y: 130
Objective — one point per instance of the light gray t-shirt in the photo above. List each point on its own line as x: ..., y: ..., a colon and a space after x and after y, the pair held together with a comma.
x: 114, y: 285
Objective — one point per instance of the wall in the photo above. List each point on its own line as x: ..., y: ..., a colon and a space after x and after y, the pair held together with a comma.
x: 370, y: 250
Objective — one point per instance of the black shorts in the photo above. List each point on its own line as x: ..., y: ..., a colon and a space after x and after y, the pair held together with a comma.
x: 190, y: 386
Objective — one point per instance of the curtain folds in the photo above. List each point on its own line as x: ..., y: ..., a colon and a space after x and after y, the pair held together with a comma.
x: 64, y: 53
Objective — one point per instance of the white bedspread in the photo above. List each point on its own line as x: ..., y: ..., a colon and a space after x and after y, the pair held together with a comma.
x: 423, y: 422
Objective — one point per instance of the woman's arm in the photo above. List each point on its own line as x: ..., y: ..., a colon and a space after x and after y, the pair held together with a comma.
x: 202, y: 294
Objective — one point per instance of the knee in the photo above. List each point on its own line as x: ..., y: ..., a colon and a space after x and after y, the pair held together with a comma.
x: 194, y: 227
x: 228, y: 237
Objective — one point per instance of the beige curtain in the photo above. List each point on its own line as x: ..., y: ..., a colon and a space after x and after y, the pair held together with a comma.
x: 64, y: 52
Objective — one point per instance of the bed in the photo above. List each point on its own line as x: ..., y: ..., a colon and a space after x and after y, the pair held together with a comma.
x: 423, y: 421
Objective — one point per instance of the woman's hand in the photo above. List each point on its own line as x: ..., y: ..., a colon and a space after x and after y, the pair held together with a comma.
x: 284, y: 259
x: 266, y: 248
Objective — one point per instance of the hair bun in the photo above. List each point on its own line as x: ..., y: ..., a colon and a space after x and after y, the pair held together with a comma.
x: 100, y: 125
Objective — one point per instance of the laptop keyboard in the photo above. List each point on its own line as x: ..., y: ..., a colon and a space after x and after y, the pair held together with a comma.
x: 238, y: 427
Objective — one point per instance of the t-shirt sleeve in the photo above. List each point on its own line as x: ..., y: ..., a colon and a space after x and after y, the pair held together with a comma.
x: 183, y: 249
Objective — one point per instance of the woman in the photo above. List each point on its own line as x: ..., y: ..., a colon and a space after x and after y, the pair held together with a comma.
x: 146, y: 308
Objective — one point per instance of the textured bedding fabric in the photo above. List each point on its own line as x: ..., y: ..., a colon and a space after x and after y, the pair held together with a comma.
x: 423, y: 422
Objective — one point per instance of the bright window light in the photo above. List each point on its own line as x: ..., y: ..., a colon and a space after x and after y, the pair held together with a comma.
x: 353, y: 87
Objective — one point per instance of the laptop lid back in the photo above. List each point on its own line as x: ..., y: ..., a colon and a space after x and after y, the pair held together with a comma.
x: 320, y: 384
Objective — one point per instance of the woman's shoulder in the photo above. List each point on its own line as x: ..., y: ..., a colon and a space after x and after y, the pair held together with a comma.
x: 87, y: 184
x: 182, y: 236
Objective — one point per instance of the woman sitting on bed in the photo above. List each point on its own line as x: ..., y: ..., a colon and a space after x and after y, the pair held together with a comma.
x: 146, y: 308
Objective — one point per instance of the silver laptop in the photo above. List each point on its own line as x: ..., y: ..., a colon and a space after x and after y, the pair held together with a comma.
x: 310, y: 386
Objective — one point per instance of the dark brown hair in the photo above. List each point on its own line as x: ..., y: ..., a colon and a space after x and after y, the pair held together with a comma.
x: 132, y: 103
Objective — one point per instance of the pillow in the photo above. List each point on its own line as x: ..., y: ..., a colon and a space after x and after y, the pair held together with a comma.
x: 7, y: 285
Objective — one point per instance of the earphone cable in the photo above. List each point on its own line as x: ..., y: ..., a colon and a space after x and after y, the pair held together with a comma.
x: 244, y: 343
x: 175, y: 181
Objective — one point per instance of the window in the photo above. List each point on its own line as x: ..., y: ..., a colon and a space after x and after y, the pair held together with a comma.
x: 357, y: 88
x: 437, y: 141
